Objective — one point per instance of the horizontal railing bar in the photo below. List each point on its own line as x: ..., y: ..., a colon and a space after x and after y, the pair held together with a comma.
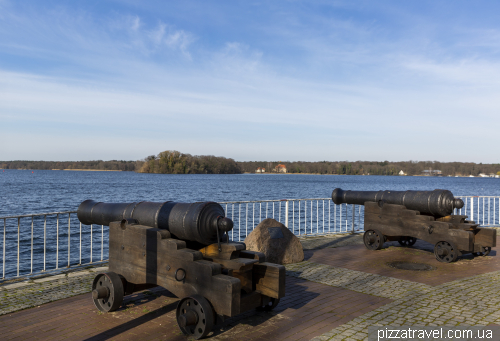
x: 477, y: 196
x: 35, y: 215
x: 275, y: 200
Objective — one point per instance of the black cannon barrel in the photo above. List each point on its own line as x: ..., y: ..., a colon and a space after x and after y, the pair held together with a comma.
x: 438, y: 202
x: 188, y: 221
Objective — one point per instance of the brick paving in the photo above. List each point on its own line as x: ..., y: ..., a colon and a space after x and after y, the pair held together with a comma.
x: 335, y: 294
x: 308, y: 310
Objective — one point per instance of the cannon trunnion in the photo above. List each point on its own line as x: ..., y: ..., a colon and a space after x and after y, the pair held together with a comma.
x: 214, y: 281
x: 426, y: 215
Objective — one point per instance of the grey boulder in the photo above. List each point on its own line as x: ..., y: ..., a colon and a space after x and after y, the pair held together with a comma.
x: 275, y: 241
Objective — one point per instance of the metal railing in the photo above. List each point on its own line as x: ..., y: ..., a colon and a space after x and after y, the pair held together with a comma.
x: 37, y: 243
x: 40, y: 244
x: 484, y: 210
x: 302, y: 216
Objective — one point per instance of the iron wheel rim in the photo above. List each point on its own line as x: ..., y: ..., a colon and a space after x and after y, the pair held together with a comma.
x: 486, y: 252
x: 204, y: 312
x: 373, y: 240
x: 407, y: 241
x: 273, y: 302
x: 113, y: 283
x: 445, y: 252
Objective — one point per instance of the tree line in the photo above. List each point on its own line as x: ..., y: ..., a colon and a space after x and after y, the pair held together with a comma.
x: 114, y: 165
x: 175, y: 162
x: 375, y: 168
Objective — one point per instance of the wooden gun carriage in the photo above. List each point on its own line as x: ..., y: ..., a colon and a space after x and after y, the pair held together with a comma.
x: 180, y: 247
x: 426, y: 215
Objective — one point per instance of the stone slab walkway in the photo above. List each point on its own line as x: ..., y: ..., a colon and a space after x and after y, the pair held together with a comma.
x: 27, y: 294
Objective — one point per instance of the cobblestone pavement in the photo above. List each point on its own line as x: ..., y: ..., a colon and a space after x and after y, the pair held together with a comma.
x: 472, y: 301
x: 19, y: 296
x: 359, y: 281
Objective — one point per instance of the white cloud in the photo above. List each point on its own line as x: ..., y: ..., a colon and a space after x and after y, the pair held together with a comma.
x: 156, y: 35
x: 179, y: 39
x: 136, y: 23
x: 467, y: 72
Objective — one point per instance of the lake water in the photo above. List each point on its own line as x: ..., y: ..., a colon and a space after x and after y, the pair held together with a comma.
x: 27, y: 192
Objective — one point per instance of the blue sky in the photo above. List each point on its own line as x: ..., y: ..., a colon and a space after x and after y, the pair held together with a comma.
x: 273, y: 80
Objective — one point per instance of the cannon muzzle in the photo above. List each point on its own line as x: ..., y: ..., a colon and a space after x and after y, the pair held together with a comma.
x: 198, y: 221
x: 439, y: 202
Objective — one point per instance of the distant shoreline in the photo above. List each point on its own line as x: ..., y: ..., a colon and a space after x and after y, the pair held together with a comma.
x: 80, y: 170
x: 173, y: 162
x: 118, y: 170
x: 92, y: 170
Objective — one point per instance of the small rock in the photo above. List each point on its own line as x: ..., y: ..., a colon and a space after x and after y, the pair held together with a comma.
x: 275, y: 241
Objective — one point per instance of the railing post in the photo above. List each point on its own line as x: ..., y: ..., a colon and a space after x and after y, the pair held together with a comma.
x: 57, y: 241
x: 91, y: 241
x: 352, y: 222
x: 102, y: 242
x: 305, y: 216
x: 329, y: 216
x: 317, y: 216
x: 489, y: 210
x: 334, y: 216
x: 299, y: 220
x: 340, y: 219
x: 69, y: 239
x: 359, y: 218
x: 483, y: 208
x: 3, y: 259
x: 311, y: 216
x: 18, y: 242
x: 472, y: 208
x: 286, y: 213
x: 323, y: 202
x: 80, y: 262
x: 253, y: 216
x: 44, y: 240
x: 31, y: 271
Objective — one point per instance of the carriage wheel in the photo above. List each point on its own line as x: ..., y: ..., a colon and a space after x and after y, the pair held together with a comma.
x: 273, y: 302
x: 486, y: 252
x: 107, y: 291
x: 446, y: 252
x: 407, y: 241
x: 195, y: 316
x: 373, y: 239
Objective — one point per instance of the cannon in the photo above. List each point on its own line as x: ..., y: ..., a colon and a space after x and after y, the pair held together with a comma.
x: 406, y: 216
x: 185, y: 248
